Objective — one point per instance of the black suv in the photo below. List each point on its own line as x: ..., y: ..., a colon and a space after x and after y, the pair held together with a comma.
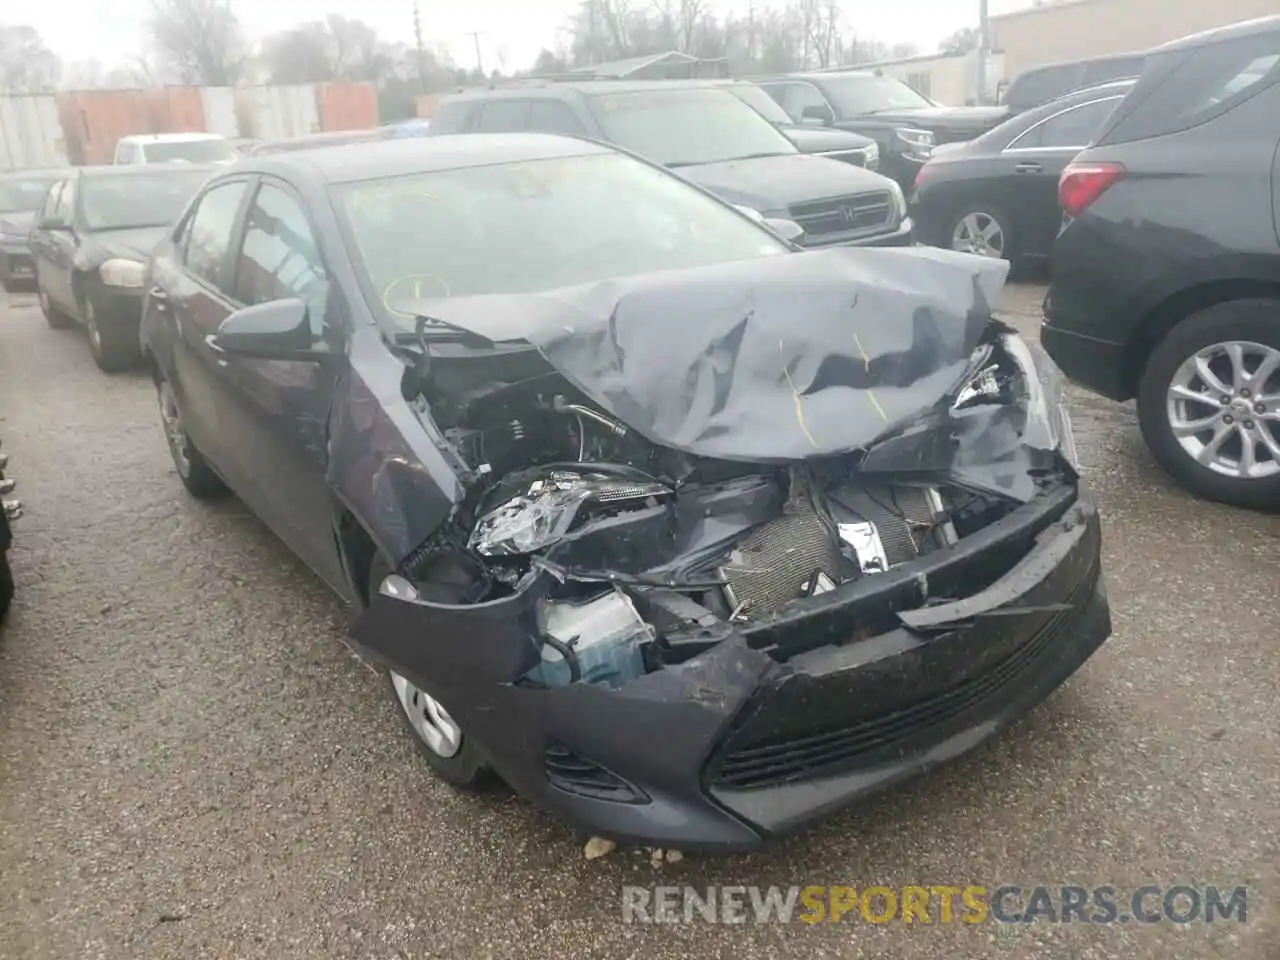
x: 1039, y: 85
x: 1166, y: 275
x: 709, y: 137
x: 906, y: 124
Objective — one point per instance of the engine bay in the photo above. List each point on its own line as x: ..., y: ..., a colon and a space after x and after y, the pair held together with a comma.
x: 654, y: 554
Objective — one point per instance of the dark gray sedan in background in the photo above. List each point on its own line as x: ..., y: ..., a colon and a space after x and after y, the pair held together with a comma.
x: 21, y: 194
x: 691, y: 535
x: 90, y: 239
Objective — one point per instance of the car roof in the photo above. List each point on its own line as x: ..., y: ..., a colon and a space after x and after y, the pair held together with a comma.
x: 376, y: 159
x: 37, y: 172
x: 138, y: 170
x: 590, y: 87
x: 145, y: 138
x: 819, y: 75
x: 1235, y: 31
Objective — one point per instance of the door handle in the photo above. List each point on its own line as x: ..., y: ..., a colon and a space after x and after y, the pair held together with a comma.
x: 219, y: 354
x: 1029, y: 166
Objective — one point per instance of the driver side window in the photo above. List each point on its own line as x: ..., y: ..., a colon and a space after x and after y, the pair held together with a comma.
x: 50, y: 206
x: 279, y: 257
x: 794, y: 97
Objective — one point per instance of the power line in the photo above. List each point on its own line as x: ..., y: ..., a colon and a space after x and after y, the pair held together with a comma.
x: 475, y: 36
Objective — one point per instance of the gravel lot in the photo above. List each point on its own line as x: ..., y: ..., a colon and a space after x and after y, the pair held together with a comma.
x: 193, y: 764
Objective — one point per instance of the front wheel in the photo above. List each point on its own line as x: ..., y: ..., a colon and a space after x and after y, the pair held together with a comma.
x: 112, y: 349
x: 1209, y: 403
x: 450, y: 753
x: 194, y: 472
x: 56, y: 318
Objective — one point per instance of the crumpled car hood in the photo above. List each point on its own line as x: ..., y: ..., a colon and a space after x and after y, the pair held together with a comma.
x: 784, y: 358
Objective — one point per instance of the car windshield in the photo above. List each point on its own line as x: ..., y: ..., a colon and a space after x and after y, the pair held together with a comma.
x: 759, y: 101
x: 535, y: 225
x: 153, y: 199
x: 859, y: 94
x: 684, y: 127
x: 192, y: 151
x: 25, y: 194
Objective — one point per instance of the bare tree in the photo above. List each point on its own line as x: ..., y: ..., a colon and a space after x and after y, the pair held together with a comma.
x: 201, y: 40
x: 26, y: 64
x: 962, y: 41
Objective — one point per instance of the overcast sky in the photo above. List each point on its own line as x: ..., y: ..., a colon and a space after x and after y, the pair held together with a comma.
x: 82, y: 29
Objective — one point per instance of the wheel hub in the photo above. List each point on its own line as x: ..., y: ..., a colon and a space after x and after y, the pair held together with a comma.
x: 1223, y: 407
x: 428, y: 717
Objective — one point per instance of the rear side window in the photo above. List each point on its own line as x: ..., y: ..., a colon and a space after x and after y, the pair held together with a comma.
x: 794, y: 97
x: 503, y: 116
x: 553, y: 116
x: 1073, y: 128
x: 1183, y: 89
x: 209, y: 233
x: 451, y: 117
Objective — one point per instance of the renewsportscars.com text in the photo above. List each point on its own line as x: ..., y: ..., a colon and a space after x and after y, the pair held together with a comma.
x: 935, y: 904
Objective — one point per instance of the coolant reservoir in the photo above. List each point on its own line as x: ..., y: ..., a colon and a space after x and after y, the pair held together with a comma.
x: 605, y: 633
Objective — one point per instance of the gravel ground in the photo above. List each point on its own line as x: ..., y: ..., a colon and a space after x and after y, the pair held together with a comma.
x: 193, y: 764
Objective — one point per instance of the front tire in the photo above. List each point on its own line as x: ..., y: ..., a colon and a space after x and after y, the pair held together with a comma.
x: 1209, y: 403
x: 56, y: 318
x: 111, y: 348
x: 451, y: 754
x: 193, y: 470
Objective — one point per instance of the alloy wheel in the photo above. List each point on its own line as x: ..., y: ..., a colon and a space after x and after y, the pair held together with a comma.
x: 428, y: 717
x: 979, y: 233
x: 175, y: 433
x: 91, y: 326
x: 1223, y: 407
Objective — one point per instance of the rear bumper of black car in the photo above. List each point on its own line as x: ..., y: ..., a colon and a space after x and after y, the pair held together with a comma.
x: 16, y: 263
x: 745, y: 742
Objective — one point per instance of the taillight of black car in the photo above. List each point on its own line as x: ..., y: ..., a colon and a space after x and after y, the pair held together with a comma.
x: 1081, y: 184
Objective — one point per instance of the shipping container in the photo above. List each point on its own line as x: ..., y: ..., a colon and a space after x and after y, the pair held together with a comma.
x: 30, y: 134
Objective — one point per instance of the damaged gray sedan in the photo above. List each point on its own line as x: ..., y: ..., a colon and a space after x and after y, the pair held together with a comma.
x: 690, y: 536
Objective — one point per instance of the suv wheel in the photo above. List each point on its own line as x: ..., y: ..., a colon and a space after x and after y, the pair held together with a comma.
x: 1209, y: 403
x: 111, y: 347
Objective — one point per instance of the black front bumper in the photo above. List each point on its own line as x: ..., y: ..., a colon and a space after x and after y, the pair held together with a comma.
x: 744, y: 742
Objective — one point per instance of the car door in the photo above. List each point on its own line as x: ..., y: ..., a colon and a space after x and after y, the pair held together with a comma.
x: 278, y: 410
x: 192, y: 295
x: 1033, y: 162
x: 40, y: 238
x: 62, y: 243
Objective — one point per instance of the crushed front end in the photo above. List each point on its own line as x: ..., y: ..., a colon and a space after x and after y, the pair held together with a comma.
x: 669, y: 625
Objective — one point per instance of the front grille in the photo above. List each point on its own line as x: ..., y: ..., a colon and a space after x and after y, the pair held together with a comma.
x: 21, y: 265
x: 574, y: 773
x: 862, y: 213
x: 831, y: 751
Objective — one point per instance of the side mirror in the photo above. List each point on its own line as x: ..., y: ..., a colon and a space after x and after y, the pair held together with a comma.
x: 279, y: 330
x: 817, y: 113
x: 788, y: 230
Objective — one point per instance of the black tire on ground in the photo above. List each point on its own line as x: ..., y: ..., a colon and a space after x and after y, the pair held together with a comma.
x: 53, y: 316
x: 1255, y: 320
x: 6, y: 583
x: 984, y: 210
x: 113, y: 350
x: 467, y: 768
x: 193, y: 470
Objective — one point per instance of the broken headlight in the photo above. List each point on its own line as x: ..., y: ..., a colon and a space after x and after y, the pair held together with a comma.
x: 1048, y: 422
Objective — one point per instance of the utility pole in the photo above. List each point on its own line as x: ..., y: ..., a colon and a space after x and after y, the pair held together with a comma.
x: 475, y: 36
x: 984, y: 50
x: 422, y: 53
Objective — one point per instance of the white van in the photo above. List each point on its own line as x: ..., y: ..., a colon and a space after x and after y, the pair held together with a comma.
x: 175, y: 147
